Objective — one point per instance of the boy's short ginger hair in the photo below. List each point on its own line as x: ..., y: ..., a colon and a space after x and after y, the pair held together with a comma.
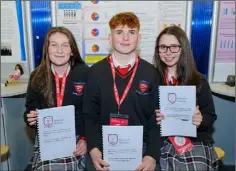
x: 124, y: 18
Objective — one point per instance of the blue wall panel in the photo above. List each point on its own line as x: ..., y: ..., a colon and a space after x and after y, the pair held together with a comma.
x: 41, y: 22
x: 201, y: 34
x: 20, y: 26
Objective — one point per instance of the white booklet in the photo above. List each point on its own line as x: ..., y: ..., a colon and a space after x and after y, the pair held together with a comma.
x: 122, y: 146
x: 178, y: 104
x: 56, y: 132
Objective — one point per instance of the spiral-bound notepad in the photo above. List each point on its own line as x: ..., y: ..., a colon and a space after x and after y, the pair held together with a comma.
x: 122, y: 146
x: 178, y: 104
x: 56, y: 132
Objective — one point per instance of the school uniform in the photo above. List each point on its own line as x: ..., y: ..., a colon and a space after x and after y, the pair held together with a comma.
x: 139, y: 104
x: 73, y: 95
x: 203, y: 156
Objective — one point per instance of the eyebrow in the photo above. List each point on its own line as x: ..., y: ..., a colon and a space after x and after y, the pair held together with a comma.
x: 128, y: 30
x: 56, y: 42
x: 169, y: 45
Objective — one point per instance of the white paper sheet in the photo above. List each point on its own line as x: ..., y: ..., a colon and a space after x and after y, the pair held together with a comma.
x: 56, y: 129
x: 122, y: 146
x: 178, y: 104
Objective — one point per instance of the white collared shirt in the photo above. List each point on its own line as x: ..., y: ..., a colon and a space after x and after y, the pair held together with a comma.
x: 131, y: 62
x: 60, y: 74
x: 170, y: 78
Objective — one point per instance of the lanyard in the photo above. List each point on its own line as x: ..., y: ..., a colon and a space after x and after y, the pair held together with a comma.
x: 60, y: 92
x: 118, y: 100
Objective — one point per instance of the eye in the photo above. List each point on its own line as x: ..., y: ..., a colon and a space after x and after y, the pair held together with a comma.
x: 66, y: 45
x: 162, y: 47
x: 53, y: 45
x: 118, y: 32
x: 132, y: 32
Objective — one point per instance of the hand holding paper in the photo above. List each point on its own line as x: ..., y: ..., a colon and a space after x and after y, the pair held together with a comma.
x: 177, y: 103
x: 122, y: 146
x: 56, y: 130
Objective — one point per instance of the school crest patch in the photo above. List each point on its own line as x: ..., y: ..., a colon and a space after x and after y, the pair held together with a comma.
x: 143, y: 86
x: 79, y: 87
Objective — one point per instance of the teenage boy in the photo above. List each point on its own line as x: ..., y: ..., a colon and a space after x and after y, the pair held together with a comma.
x: 124, y: 84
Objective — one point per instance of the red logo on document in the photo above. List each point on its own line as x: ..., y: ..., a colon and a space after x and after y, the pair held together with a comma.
x: 112, y: 139
x: 48, y: 121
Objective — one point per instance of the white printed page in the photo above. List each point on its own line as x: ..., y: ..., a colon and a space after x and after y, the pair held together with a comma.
x: 178, y: 104
x: 56, y: 129
x: 122, y: 146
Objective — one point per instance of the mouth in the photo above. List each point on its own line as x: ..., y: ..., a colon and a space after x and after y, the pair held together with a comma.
x: 59, y: 56
x: 124, y: 44
x: 169, y: 59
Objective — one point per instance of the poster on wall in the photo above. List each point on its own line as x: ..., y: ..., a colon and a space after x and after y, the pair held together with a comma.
x: 88, y: 21
x: 11, y: 33
x: 172, y: 12
x: 225, y: 50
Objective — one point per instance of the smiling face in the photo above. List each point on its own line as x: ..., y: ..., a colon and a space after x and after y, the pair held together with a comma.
x: 124, y: 40
x: 169, y: 58
x: 59, y: 50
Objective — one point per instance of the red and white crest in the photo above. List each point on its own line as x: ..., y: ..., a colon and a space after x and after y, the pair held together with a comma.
x: 143, y: 86
x: 48, y: 121
x: 79, y: 87
x: 172, y: 97
x: 112, y: 139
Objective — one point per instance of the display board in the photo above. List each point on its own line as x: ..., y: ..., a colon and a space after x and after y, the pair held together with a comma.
x: 225, y: 48
x: 13, y: 33
x: 88, y: 21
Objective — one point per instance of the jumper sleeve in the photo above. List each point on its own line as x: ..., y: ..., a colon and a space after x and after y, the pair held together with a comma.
x: 154, y: 138
x: 91, y: 111
x: 206, y: 106
x: 32, y: 100
x: 80, y: 73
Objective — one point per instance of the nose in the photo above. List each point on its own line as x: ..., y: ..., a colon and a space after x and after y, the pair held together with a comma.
x: 168, y: 52
x: 125, y: 36
x: 59, y: 49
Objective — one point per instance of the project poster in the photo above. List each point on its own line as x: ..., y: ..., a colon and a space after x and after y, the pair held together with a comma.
x: 88, y: 21
x: 69, y: 15
x: 10, y: 33
x: 225, y: 50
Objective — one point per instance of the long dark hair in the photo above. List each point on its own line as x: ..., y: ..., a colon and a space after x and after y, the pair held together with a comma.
x: 42, y: 80
x: 187, y: 73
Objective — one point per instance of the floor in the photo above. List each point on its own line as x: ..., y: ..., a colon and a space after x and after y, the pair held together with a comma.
x: 227, y: 168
